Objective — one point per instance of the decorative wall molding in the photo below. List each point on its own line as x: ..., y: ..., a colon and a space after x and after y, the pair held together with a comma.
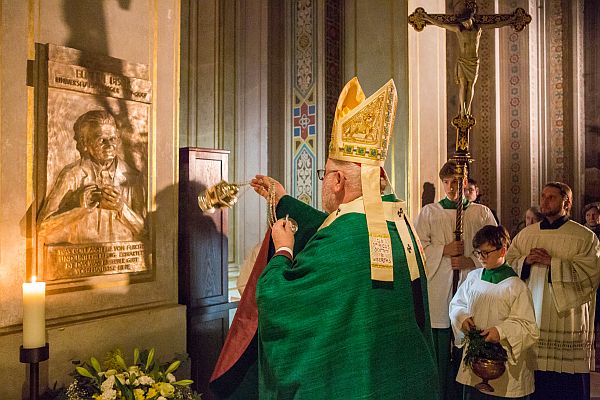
x: 304, y: 100
x: 484, y: 137
x: 513, y: 121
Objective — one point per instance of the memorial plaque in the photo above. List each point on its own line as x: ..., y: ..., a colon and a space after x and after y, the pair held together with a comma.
x: 93, y: 118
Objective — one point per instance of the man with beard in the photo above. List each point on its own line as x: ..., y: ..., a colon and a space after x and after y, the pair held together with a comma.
x: 559, y: 260
x: 342, y: 305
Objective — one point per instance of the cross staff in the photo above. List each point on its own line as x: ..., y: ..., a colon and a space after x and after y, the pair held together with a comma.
x: 468, y: 27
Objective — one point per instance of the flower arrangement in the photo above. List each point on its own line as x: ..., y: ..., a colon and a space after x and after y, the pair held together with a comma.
x: 145, y: 379
x: 478, y: 348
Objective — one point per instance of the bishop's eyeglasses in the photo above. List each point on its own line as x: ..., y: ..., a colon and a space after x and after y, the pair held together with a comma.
x: 321, y: 174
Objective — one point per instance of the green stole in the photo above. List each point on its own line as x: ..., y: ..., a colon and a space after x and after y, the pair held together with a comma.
x: 498, y: 274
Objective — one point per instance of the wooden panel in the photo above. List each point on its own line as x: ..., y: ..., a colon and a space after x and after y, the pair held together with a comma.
x: 202, y: 237
x: 207, y: 329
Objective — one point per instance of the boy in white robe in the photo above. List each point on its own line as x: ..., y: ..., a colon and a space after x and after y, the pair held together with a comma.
x: 558, y: 258
x: 496, y: 300
x: 435, y: 226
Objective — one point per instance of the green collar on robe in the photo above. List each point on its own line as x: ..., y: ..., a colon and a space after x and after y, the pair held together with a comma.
x: 499, y: 274
x: 388, y: 197
x: 448, y: 204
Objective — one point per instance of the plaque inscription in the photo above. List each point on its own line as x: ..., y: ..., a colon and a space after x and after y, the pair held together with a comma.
x: 77, y: 261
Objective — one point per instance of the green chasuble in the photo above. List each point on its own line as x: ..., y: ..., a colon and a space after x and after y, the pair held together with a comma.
x: 498, y: 274
x: 327, y: 331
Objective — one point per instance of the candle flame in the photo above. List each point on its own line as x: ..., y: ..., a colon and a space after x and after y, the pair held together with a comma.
x: 33, y: 279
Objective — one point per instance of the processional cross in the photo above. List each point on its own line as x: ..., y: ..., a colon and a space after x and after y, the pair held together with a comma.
x: 468, y: 26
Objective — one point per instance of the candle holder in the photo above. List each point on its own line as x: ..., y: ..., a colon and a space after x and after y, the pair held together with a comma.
x: 33, y: 357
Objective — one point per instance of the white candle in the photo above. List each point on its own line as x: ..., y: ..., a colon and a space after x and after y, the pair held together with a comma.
x: 34, y: 314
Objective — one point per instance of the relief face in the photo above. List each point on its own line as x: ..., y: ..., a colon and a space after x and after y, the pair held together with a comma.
x: 94, y: 219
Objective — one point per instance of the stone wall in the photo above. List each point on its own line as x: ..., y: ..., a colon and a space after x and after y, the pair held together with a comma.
x: 88, y: 319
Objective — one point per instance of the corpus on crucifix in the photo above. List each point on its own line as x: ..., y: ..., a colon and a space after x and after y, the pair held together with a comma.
x: 468, y: 27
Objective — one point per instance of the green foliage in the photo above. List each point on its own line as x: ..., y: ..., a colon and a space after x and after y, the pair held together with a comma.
x: 477, y: 347
x: 146, y: 379
x: 111, y: 359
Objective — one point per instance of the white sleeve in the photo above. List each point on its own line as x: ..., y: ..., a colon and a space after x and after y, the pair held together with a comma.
x: 433, y: 252
x: 574, y: 280
x: 519, y: 331
x: 458, y: 309
x: 515, y: 256
x: 488, y: 217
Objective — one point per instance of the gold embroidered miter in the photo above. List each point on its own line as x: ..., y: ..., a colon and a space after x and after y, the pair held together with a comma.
x: 362, y: 129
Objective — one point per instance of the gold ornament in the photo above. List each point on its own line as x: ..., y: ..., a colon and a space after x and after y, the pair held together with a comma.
x: 272, y: 210
x: 223, y: 194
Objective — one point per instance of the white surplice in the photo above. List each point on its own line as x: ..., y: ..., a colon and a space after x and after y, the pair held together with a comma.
x: 508, y: 306
x: 435, y: 227
x: 565, y: 307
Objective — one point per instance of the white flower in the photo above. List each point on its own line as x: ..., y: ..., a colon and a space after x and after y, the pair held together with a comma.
x: 145, y: 380
x: 110, y: 394
x: 171, y: 377
x: 108, y: 384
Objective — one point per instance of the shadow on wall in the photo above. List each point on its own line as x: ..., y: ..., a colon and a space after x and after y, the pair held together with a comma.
x: 87, y: 24
x: 428, y: 194
x: 86, y: 21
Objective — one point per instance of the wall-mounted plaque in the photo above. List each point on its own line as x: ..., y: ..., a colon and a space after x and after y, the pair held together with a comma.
x: 92, y: 138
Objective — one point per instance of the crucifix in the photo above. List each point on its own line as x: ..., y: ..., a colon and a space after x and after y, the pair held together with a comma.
x: 467, y: 26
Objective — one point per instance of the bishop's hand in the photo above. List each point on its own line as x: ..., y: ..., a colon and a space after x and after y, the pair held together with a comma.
x: 261, y: 185
x: 282, y: 234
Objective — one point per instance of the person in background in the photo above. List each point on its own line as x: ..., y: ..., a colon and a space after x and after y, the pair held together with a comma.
x: 472, y: 191
x: 559, y: 260
x: 497, y: 302
x: 473, y: 194
x: 532, y: 216
x: 591, y: 216
x: 435, y: 226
